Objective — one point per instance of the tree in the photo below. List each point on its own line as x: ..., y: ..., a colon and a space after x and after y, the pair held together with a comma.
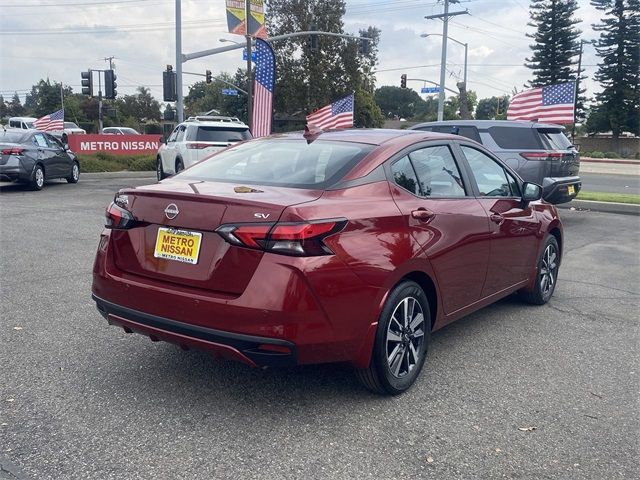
x: 366, y: 112
x: 308, y: 78
x: 4, y: 109
x: 452, y: 105
x: 45, y: 98
x: 396, y: 102
x: 494, y: 108
x: 204, y: 97
x: 556, y: 41
x: 140, y: 106
x: 14, y: 107
x: 618, y: 104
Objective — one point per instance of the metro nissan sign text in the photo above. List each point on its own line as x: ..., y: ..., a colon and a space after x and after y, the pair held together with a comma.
x: 115, y: 144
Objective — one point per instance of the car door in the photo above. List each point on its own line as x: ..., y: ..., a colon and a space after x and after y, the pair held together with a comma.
x: 515, y: 228
x: 445, y: 219
x: 168, y: 153
x: 63, y: 161
x: 47, y: 156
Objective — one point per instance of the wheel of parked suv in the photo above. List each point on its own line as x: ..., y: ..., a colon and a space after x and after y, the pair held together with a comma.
x: 75, y: 173
x: 547, y: 274
x: 179, y: 166
x: 401, y: 343
x: 159, y: 169
x: 37, y: 178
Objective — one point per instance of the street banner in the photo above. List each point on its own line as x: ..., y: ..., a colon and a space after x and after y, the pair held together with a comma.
x: 114, y: 144
x: 236, y: 18
x: 551, y: 104
x: 265, y: 76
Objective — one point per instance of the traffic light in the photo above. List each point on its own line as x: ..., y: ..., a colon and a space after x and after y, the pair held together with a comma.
x: 87, y: 83
x: 169, y: 92
x: 312, y: 41
x: 110, y: 84
x: 208, y: 76
x: 364, y: 45
x: 403, y: 80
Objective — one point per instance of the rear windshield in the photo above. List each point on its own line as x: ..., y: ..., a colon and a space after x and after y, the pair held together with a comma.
x: 463, y: 131
x: 555, y: 139
x: 286, y: 163
x: 11, y: 136
x: 220, y: 134
x: 516, y: 138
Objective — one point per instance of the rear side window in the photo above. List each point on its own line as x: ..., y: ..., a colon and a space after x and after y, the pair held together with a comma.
x: 555, y: 139
x: 40, y: 140
x: 514, y: 138
x: 286, y: 163
x: 218, y: 134
x: 405, y: 176
x: 437, y: 172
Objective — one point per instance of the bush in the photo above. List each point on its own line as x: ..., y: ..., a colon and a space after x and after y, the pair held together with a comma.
x: 595, y: 154
x: 611, y: 155
x: 107, y: 162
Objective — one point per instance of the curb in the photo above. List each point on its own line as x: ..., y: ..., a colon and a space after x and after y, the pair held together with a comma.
x: 608, y: 160
x: 604, y: 207
x: 107, y: 175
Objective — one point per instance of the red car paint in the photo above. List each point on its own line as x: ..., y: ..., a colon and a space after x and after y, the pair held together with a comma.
x: 264, y: 308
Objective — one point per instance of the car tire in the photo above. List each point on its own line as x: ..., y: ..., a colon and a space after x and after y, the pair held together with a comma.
x: 159, y: 170
x: 179, y: 166
x: 546, y: 274
x: 401, y: 344
x: 37, y: 178
x: 75, y: 173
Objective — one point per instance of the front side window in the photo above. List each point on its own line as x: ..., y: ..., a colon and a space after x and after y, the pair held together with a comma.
x: 492, y: 179
x: 437, y: 172
x: 180, y: 136
x: 174, y: 134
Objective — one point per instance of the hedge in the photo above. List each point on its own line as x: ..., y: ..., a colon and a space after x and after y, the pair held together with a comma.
x: 106, y: 162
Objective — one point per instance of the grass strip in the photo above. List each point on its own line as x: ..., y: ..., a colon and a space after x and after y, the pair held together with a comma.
x: 609, y: 197
x: 105, y: 162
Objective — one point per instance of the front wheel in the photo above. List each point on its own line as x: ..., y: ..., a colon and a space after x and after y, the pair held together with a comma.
x: 401, y: 342
x: 546, y: 274
x: 179, y: 166
x: 75, y: 173
x: 159, y: 170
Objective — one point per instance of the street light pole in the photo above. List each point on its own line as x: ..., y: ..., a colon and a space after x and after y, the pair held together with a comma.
x: 247, y: 13
x: 465, y: 45
x: 179, y: 60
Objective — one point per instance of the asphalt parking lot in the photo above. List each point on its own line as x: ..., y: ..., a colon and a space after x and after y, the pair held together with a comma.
x: 511, y: 391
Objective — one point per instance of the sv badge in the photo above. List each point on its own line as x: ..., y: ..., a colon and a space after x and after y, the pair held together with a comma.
x: 261, y: 215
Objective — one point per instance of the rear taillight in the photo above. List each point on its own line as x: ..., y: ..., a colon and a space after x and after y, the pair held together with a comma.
x: 197, y: 145
x: 118, y: 217
x: 304, y: 239
x: 13, y: 151
x: 542, y: 156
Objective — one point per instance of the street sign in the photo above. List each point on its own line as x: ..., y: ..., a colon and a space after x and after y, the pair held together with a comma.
x: 230, y: 91
x: 430, y: 90
x: 244, y: 55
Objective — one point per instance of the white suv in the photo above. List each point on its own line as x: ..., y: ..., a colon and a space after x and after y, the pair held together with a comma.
x: 197, y: 138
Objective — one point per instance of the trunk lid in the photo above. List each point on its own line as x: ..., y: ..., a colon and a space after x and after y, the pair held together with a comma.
x: 202, y: 207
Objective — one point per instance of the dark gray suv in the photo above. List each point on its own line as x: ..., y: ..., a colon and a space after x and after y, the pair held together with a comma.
x: 539, y: 152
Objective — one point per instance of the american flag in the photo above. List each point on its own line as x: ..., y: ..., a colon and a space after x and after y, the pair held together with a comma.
x: 263, y: 90
x: 553, y: 103
x: 53, y: 121
x: 337, y: 115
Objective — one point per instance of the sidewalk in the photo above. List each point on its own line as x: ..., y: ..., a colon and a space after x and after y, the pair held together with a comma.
x: 610, y: 166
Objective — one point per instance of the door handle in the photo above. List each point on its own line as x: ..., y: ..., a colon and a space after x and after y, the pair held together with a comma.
x: 422, y: 214
x: 496, y: 218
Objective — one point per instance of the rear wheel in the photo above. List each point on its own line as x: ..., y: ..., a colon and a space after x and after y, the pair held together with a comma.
x: 75, y: 173
x: 179, y: 166
x: 546, y: 274
x: 37, y: 178
x: 401, y: 342
x: 159, y: 170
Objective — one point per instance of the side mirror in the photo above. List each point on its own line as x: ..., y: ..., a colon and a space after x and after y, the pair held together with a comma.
x: 531, y: 192
x: 163, y: 139
x: 65, y: 146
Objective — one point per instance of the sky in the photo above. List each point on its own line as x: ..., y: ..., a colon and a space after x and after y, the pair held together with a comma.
x: 58, y: 39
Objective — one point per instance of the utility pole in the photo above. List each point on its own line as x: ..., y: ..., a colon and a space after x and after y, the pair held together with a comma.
x: 443, y: 60
x: 247, y: 15
x: 179, y: 60
x: 575, y: 100
x: 110, y: 60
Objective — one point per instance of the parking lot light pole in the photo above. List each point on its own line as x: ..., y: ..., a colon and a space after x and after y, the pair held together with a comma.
x: 247, y: 16
x: 179, y: 60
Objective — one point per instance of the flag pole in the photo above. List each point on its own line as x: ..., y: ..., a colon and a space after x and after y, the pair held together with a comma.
x: 62, y: 96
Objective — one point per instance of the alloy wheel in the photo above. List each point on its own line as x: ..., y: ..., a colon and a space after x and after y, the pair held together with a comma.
x: 548, y: 270
x: 39, y: 177
x: 405, y: 335
x: 75, y: 172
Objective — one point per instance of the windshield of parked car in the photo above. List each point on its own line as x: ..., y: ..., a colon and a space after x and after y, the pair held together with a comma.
x: 220, y: 134
x: 11, y: 136
x: 286, y: 163
x: 70, y: 125
x: 555, y: 138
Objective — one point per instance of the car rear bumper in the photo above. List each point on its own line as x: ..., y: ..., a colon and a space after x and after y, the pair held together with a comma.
x: 13, y: 171
x: 252, y: 350
x: 557, y: 190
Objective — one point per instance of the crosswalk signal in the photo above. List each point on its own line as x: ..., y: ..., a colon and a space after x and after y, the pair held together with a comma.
x: 110, y: 84
x: 87, y: 83
x: 208, y: 76
x: 169, y: 91
x: 312, y: 41
x: 403, y: 80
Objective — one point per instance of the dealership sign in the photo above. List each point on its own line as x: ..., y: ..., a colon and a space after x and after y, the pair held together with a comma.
x: 115, y: 144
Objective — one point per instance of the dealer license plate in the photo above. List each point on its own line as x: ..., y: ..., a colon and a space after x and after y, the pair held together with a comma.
x: 571, y: 189
x: 179, y: 245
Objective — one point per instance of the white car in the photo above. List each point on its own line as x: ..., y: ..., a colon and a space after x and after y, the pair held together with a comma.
x: 70, y: 128
x: 197, y: 138
x: 119, y: 131
x: 25, y: 123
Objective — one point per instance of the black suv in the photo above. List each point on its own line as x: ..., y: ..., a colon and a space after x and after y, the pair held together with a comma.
x: 539, y: 152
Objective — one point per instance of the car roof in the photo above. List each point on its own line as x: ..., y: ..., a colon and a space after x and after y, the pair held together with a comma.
x: 23, y: 119
x: 371, y: 136
x: 489, y: 123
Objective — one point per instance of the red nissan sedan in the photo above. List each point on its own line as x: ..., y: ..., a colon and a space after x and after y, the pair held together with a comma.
x: 344, y: 246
